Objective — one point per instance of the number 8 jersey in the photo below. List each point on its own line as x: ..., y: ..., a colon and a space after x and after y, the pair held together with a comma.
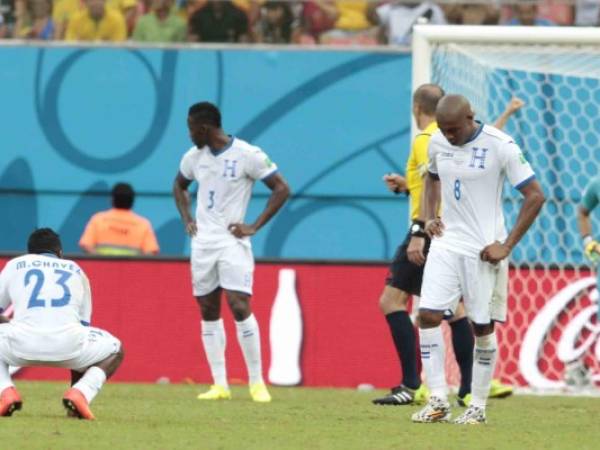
x: 52, y: 301
x: 472, y: 177
x: 225, y: 179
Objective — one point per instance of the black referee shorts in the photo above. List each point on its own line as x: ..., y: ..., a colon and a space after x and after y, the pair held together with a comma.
x: 403, y: 274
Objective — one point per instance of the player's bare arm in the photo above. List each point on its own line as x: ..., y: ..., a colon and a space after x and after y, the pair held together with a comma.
x: 513, y: 106
x: 433, y: 225
x: 395, y: 183
x: 280, y: 191
x: 591, y: 246
x: 183, y: 202
x: 532, y: 204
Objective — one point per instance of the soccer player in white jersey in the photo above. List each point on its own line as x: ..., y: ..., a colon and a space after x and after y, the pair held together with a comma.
x: 225, y: 169
x: 51, y: 325
x: 468, y: 163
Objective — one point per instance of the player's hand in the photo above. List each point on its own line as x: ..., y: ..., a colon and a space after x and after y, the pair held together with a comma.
x: 592, y: 251
x: 239, y: 230
x: 494, y: 253
x: 434, y: 227
x: 395, y: 183
x: 514, y: 105
x: 191, y: 228
x: 414, y: 251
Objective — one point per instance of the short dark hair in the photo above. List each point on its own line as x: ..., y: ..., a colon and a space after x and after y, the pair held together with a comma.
x: 205, y: 112
x: 44, y: 240
x: 122, y: 196
x: 427, y: 97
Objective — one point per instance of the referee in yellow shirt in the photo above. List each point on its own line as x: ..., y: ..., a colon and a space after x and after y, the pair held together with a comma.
x: 406, y: 271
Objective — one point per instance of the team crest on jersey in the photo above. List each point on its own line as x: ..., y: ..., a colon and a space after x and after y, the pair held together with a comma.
x: 478, y: 157
x: 229, y: 167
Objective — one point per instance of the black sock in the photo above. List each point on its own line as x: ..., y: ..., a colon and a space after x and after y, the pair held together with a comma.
x: 463, y: 343
x: 403, y: 334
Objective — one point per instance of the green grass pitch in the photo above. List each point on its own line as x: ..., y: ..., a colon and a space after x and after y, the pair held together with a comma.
x: 138, y: 416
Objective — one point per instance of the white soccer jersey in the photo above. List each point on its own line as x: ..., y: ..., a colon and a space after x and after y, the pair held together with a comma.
x: 472, y: 177
x: 51, y: 299
x: 225, y: 181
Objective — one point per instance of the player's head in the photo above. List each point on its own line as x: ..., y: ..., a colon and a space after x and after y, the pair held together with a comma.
x: 122, y: 196
x: 44, y: 240
x: 455, y: 118
x: 203, y: 119
x: 425, y: 100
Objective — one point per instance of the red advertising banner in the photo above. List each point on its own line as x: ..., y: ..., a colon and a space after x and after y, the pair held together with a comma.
x: 343, y: 338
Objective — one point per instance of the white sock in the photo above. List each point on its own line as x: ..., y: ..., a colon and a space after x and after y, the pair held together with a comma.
x: 215, y: 341
x: 249, y: 338
x: 433, y: 354
x: 91, y: 383
x: 484, y: 361
x: 5, y: 380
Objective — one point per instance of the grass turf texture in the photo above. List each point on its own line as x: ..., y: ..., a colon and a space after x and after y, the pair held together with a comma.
x: 137, y: 416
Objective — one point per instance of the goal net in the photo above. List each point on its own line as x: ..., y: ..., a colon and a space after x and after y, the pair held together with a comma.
x: 550, y: 340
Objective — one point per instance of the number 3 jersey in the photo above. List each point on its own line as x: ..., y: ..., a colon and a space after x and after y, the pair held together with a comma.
x: 472, y: 177
x: 225, y: 179
x: 52, y: 301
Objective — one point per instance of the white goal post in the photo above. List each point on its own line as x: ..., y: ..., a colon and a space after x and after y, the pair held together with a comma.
x: 552, y: 338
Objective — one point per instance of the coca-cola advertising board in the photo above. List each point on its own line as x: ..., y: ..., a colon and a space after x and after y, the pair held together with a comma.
x: 321, y: 325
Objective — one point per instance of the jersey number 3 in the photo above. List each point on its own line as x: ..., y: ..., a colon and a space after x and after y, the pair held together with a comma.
x: 34, y: 301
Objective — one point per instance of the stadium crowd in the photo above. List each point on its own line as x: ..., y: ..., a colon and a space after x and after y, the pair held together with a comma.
x: 351, y: 22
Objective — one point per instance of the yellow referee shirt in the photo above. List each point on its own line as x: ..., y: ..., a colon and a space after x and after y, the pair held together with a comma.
x: 416, y: 167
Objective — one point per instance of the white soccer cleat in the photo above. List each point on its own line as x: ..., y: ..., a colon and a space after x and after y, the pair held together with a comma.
x: 436, y: 410
x: 474, y: 415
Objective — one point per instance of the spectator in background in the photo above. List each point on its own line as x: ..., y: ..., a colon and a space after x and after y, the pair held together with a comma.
x: 34, y: 20
x: 316, y: 18
x: 526, y: 13
x: 61, y: 12
x: 472, y: 13
x: 129, y: 9
x: 276, y: 23
x: 587, y: 13
x: 397, y: 20
x: 96, y: 22
x: 352, y: 24
x: 7, y: 18
x: 161, y: 24
x: 218, y: 21
x: 119, y: 231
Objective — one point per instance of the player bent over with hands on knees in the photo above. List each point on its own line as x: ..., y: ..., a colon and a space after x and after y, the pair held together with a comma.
x: 225, y: 168
x: 52, y: 305
x: 468, y: 162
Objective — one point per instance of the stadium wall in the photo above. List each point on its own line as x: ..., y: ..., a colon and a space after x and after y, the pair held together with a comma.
x: 78, y: 119
x: 149, y: 306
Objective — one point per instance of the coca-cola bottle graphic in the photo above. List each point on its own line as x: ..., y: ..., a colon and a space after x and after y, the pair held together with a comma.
x: 285, y: 332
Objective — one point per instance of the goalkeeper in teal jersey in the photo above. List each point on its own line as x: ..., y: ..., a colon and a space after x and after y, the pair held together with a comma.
x: 591, y: 198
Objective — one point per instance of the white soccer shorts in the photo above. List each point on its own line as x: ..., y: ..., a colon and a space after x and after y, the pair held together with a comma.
x: 230, y: 267
x: 449, y: 276
x: 98, y: 345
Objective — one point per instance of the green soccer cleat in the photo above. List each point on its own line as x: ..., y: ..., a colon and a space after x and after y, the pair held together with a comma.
x: 499, y: 390
x: 421, y: 395
x: 216, y: 392
x: 464, y: 401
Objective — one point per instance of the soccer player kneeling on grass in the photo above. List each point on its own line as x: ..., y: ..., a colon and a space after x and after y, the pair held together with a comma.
x: 51, y: 325
x: 468, y: 162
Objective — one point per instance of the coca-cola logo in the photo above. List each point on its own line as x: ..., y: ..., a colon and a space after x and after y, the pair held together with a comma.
x: 578, y: 334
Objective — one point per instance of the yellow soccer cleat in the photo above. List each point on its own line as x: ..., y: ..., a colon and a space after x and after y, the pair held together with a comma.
x: 259, y: 393
x: 216, y: 392
x: 499, y: 390
x: 421, y: 395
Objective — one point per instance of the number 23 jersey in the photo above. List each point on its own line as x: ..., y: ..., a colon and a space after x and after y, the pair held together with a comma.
x: 472, y: 177
x: 51, y: 300
x: 225, y: 180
